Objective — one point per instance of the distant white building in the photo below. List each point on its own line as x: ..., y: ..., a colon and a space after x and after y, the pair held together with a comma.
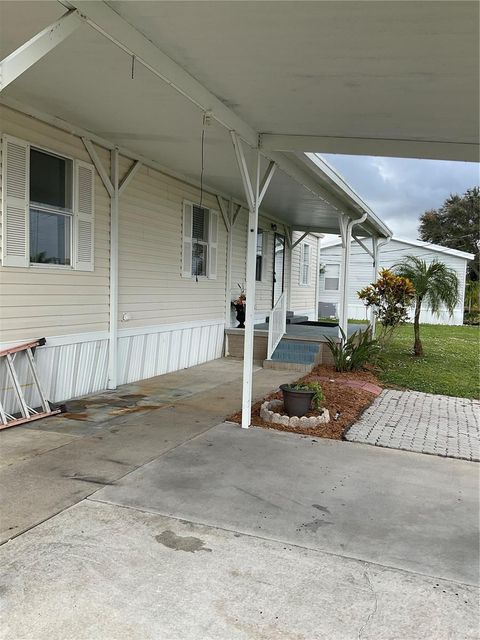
x: 361, y: 274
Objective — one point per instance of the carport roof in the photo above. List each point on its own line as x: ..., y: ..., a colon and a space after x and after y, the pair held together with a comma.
x: 348, y: 76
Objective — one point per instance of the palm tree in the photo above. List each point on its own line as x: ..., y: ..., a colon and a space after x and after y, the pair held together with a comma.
x: 434, y: 283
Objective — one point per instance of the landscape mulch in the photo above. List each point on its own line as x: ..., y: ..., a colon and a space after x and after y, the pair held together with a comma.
x: 341, y: 400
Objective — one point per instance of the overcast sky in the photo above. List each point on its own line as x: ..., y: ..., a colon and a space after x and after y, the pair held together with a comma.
x: 399, y: 190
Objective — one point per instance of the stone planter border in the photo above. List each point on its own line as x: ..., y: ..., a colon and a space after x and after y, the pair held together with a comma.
x: 269, y: 411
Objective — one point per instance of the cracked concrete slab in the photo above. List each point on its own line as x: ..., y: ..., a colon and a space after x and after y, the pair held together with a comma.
x: 409, y: 511
x: 103, y: 571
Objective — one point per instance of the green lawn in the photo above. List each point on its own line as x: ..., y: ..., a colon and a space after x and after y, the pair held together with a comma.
x: 450, y: 366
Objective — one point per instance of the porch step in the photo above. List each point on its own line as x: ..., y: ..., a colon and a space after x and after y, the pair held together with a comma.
x: 295, y: 355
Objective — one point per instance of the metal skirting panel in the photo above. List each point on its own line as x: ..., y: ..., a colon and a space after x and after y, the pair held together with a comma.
x: 65, y: 371
x: 81, y: 367
x: 152, y: 354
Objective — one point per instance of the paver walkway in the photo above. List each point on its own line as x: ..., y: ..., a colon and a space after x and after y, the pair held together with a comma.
x: 421, y: 422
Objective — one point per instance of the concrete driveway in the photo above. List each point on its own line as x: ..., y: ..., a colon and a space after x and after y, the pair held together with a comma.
x: 224, y: 533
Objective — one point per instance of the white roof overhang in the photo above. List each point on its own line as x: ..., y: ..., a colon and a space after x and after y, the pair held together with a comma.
x: 290, y: 68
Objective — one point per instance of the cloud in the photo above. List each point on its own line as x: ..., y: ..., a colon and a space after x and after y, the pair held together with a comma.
x: 399, y: 190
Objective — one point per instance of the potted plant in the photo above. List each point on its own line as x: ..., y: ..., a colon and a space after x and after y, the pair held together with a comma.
x: 239, y: 304
x: 299, y: 398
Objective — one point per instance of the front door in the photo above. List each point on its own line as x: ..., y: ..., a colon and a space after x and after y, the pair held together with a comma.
x: 278, y: 267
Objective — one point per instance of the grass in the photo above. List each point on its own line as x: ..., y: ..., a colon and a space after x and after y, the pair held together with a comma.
x: 450, y: 366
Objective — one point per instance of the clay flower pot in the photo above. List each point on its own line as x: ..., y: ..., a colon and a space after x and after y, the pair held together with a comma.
x: 296, y: 402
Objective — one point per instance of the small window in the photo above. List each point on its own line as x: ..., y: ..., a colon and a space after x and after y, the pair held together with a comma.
x: 305, y: 265
x: 332, y: 277
x: 199, y: 241
x: 51, y: 208
x: 259, y: 264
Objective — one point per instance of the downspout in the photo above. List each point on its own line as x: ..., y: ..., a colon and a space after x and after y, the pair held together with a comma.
x: 346, y: 226
x: 317, y: 279
x: 376, y: 246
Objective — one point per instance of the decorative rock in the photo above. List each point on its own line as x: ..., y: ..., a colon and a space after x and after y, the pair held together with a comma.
x: 268, y: 413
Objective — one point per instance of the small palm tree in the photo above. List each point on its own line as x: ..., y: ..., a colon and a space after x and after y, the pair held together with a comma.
x: 434, y: 283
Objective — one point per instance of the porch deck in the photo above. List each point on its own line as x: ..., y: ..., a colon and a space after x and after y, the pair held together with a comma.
x: 310, y: 332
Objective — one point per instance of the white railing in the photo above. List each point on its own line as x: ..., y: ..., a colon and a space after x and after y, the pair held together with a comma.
x: 277, y: 324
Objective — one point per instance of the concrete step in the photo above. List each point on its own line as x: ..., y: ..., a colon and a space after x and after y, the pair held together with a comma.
x: 288, y: 366
x: 293, y: 352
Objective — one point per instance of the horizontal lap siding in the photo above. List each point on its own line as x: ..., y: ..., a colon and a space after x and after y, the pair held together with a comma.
x: 302, y: 298
x: 44, y: 301
x: 361, y: 274
x: 152, y: 290
x: 263, y: 288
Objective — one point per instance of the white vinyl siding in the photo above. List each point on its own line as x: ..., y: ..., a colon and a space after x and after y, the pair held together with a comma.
x: 154, y: 226
x: 361, y: 274
x: 302, y: 297
x: 39, y: 301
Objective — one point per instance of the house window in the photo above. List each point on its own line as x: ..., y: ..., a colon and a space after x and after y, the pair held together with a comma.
x: 259, y: 263
x: 199, y: 241
x: 50, y: 208
x: 332, y: 277
x: 305, y: 265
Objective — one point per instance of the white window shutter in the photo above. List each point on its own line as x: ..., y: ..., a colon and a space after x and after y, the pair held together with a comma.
x: 187, y: 240
x: 212, y: 244
x: 84, y: 215
x: 15, y: 202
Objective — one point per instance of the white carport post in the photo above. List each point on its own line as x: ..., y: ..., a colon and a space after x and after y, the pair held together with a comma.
x: 254, y: 195
x: 346, y: 226
x: 115, y: 188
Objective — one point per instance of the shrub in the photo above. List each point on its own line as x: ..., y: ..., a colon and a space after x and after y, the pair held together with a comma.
x: 390, y: 296
x: 351, y: 354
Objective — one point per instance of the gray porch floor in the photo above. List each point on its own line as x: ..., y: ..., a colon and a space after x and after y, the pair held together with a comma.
x: 312, y: 332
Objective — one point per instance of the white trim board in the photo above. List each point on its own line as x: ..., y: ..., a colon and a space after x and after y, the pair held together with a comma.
x: 416, y: 243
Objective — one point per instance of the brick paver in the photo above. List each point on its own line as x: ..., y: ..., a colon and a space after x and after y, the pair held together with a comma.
x: 421, y: 422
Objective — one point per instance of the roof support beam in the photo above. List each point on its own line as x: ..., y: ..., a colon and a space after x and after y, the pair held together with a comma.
x: 37, y: 47
x: 297, y: 242
x: 92, y: 152
x: 364, y: 246
x: 225, y: 213
x: 397, y: 148
x: 128, y: 177
x: 112, y: 26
